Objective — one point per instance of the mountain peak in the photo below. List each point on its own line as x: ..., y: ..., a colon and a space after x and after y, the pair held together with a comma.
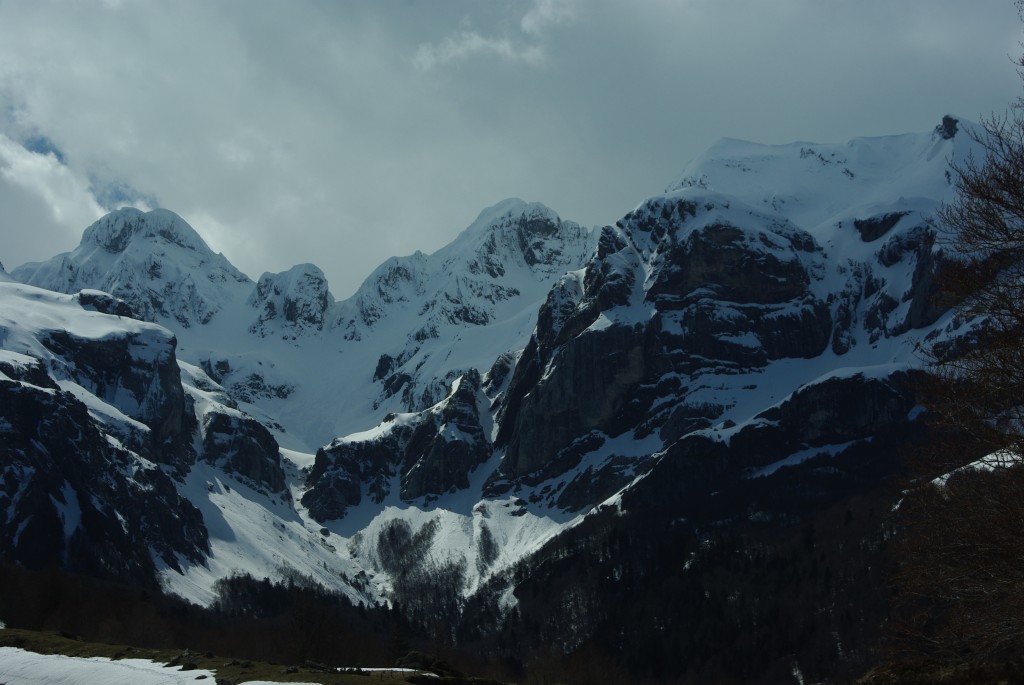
x: 297, y: 298
x: 807, y: 182
x: 115, y: 231
x: 154, y: 261
x: 530, y: 235
x: 510, y: 208
x: 299, y: 271
x: 948, y: 128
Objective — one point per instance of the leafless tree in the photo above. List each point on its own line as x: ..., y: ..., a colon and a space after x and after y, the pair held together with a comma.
x: 980, y: 389
x: 961, y: 581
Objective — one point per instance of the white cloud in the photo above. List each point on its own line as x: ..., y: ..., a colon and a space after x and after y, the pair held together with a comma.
x: 546, y: 14
x: 522, y: 46
x: 44, y: 204
x: 345, y: 133
x: 465, y: 44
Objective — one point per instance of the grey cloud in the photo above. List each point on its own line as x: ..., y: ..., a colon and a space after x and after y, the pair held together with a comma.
x: 466, y: 44
x: 44, y: 205
x: 305, y: 132
x: 546, y: 14
x: 524, y: 46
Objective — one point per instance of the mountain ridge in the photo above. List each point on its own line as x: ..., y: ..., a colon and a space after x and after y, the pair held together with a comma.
x: 754, y: 325
x: 472, y: 282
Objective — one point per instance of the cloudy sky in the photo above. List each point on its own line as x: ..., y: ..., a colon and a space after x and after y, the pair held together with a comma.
x: 344, y: 132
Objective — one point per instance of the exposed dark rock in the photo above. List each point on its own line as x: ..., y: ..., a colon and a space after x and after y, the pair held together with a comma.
x: 253, y: 386
x: 216, y: 369
x: 948, y: 128
x: 241, y: 445
x: 341, y: 471
x: 725, y: 298
x: 434, y: 453
x: 751, y: 335
x: 291, y: 303
x: 394, y: 384
x: 578, y: 397
x: 33, y: 372
x: 107, y: 304
x: 594, y: 485
x: 925, y: 294
x: 868, y: 294
x: 907, y: 244
x: 719, y: 260
x: 385, y: 363
x: 836, y: 411
x: 74, y: 499
x: 875, y: 227
x: 442, y: 452
x: 846, y: 428
x: 694, y: 465
x: 686, y: 418
x: 500, y: 373
x: 138, y: 373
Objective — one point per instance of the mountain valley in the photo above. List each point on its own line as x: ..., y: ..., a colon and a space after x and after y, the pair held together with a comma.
x: 541, y: 434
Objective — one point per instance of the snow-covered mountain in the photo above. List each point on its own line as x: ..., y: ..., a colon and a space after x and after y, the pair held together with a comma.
x: 153, y: 261
x: 766, y: 270
x: 718, y: 332
x: 122, y: 461
x: 283, y: 347
x: 756, y: 320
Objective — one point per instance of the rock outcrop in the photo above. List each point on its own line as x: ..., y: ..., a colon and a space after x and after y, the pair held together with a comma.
x: 72, y: 496
x: 686, y: 286
x: 137, y: 372
x: 431, y: 452
x: 293, y: 303
x: 240, y: 445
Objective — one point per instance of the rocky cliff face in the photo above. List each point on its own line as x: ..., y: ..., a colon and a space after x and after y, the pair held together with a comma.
x: 99, y: 434
x: 136, y: 371
x: 293, y: 303
x: 230, y: 439
x: 73, y: 498
x: 90, y: 408
x: 717, y: 300
x: 240, y: 445
x: 683, y: 288
x: 430, y: 453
